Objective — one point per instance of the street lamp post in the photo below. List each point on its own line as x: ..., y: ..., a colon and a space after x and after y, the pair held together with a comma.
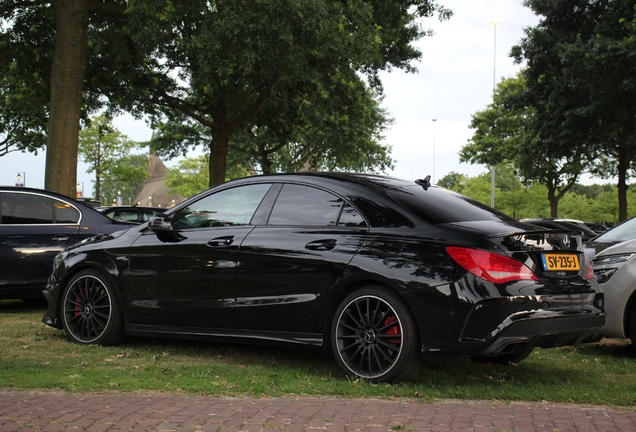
x: 434, y: 121
x: 79, y: 190
x: 21, y: 179
x: 494, y: 22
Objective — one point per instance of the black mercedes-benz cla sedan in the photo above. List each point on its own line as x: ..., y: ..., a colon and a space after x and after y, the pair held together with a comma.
x: 380, y: 271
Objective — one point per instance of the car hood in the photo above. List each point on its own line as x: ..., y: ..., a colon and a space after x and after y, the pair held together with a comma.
x: 628, y: 246
x: 126, y: 235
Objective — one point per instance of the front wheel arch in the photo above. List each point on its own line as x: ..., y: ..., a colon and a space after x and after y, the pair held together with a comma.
x: 629, y: 317
x: 90, y: 309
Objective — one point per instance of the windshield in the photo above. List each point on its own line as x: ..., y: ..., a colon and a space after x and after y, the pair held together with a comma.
x: 620, y: 233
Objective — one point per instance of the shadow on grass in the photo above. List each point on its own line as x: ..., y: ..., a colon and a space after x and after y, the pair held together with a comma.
x: 619, y: 348
x: 23, y: 306
x: 547, y: 368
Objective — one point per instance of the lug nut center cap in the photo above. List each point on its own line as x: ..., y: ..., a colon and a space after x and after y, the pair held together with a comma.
x: 369, y: 336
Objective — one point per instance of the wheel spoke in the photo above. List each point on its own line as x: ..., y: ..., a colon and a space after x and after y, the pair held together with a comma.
x: 362, y: 321
x: 87, y: 309
x: 369, y: 336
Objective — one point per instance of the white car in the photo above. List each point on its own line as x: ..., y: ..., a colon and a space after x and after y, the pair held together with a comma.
x: 615, y: 270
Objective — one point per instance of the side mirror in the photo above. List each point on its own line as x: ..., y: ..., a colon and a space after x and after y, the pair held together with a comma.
x: 160, y: 223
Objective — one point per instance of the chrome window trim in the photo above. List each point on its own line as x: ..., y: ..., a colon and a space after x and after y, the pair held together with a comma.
x: 81, y: 215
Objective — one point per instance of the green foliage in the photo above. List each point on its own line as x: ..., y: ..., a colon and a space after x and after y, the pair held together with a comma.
x: 24, y: 77
x: 453, y: 181
x: 125, y: 179
x: 478, y: 188
x: 580, y: 83
x: 507, y: 132
x: 334, y: 128
x: 189, y: 177
x: 107, y: 153
x: 593, y: 203
x: 571, y: 109
x: 264, y: 66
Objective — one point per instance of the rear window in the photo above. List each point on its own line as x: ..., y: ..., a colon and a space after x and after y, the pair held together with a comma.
x: 438, y: 205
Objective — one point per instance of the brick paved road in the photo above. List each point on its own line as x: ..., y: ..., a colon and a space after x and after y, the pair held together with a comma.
x: 22, y: 411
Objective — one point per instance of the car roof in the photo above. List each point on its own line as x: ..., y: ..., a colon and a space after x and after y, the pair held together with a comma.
x: 37, y: 190
x: 89, y: 213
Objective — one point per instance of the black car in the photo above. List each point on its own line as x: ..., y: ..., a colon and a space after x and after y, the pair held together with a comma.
x: 564, y: 224
x: 35, y: 225
x: 379, y: 271
x: 130, y: 214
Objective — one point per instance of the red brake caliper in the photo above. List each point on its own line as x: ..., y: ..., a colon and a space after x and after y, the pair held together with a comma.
x: 78, y: 306
x: 393, y: 330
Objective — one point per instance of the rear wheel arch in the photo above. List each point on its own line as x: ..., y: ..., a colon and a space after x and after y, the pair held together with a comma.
x: 374, y: 335
x: 336, y: 299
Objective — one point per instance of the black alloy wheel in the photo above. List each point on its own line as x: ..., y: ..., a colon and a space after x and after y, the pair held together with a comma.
x: 374, y: 336
x: 90, y: 311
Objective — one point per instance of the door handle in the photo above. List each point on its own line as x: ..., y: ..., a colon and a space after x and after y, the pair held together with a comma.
x: 221, y: 241
x: 61, y: 238
x: 321, y: 245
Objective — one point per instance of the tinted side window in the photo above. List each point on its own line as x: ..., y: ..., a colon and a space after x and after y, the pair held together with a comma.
x: 65, y: 213
x: 20, y: 208
x: 229, y: 207
x: 303, y: 205
x: 350, y: 217
x: 123, y: 215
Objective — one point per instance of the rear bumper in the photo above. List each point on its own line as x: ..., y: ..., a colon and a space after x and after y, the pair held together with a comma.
x: 521, y: 331
x: 546, y: 333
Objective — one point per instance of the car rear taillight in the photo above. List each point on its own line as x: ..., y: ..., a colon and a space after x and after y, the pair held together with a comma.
x: 490, y: 266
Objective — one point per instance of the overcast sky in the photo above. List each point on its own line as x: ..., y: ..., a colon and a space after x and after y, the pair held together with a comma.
x: 454, y: 80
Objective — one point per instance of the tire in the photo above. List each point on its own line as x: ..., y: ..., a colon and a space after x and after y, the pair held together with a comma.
x: 374, y: 336
x: 505, y: 359
x: 631, y: 326
x: 90, y: 311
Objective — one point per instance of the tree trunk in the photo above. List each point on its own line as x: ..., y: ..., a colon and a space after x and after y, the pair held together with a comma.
x: 67, y: 83
x: 623, y: 165
x: 98, y: 172
x: 553, y: 199
x: 266, y: 164
x: 218, y: 156
x: 554, y: 206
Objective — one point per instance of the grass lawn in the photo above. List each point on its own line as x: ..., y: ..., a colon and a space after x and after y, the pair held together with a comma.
x: 34, y: 356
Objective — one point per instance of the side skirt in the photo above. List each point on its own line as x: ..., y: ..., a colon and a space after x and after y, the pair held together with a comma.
x: 310, y: 341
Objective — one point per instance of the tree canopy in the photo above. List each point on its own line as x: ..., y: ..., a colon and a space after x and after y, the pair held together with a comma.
x: 508, y: 131
x: 108, y: 154
x: 218, y: 63
x: 263, y: 65
x: 581, y: 63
